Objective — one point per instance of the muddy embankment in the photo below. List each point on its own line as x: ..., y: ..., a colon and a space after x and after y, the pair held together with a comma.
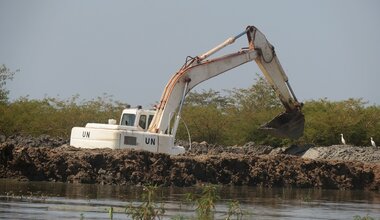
x: 334, y: 167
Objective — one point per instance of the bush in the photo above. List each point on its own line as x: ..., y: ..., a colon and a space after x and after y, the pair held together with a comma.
x: 55, y: 117
x: 326, y: 120
x: 228, y: 119
x: 235, y: 119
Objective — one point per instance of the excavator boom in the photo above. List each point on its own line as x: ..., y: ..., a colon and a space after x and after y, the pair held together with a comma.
x: 196, y: 70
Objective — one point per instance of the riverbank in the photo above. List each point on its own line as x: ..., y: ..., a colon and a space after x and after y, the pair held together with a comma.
x: 34, y: 160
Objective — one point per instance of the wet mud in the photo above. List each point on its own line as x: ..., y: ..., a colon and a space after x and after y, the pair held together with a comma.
x: 48, y: 159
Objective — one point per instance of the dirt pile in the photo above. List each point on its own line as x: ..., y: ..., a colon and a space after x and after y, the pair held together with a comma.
x: 345, y: 153
x: 335, y: 152
x: 254, y: 166
x: 210, y: 149
x: 29, y: 141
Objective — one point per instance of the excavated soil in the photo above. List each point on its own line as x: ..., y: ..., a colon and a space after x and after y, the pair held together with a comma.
x: 334, y: 167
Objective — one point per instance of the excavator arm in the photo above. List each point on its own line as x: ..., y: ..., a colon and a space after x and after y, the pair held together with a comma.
x: 290, y: 123
x: 199, y: 69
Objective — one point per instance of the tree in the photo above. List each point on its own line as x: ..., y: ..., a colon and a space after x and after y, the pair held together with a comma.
x: 326, y: 120
x: 232, y: 119
x: 253, y: 107
x: 209, y: 97
x: 5, y: 74
x: 54, y: 116
x: 204, y: 115
x: 260, y: 96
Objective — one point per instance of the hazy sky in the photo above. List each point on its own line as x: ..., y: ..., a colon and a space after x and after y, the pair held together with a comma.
x: 130, y: 49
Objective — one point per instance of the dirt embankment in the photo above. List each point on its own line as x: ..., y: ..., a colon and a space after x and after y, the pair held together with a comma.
x: 366, y: 154
x: 25, y: 159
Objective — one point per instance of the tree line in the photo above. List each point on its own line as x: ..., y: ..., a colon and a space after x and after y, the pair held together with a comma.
x: 226, y: 118
x: 234, y: 118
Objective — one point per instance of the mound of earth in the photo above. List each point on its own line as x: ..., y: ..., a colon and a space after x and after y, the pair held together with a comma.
x: 210, y: 149
x: 248, y: 165
x: 29, y: 141
x: 344, y: 153
x: 335, y: 152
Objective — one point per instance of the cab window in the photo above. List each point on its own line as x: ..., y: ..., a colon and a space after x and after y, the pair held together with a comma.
x: 142, y: 121
x: 128, y: 119
x: 150, y: 119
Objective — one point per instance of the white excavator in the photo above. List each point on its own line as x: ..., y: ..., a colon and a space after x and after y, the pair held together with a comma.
x: 151, y: 130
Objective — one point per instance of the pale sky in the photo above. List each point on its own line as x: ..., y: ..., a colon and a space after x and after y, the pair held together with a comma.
x: 130, y: 49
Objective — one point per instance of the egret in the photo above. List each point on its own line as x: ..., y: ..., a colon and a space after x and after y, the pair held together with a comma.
x: 342, y: 139
x: 373, y: 142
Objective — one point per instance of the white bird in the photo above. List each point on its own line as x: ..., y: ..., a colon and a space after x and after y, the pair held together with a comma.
x: 373, y: 142
x: 342, y: 139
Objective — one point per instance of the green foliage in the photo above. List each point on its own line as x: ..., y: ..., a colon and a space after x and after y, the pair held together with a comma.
x: 234, y: 209
x: 205, y: 203
x: 367, y: 217
x: 204, y: 113
x: 326, y: 120
x: 252, y: 108
x: 5, y: 74
x: 235, y: 119
x: 55, y: 117
x: 149, y: 209
x: 209, y: 97
x: 232, y: 118
x: 259, y: 97
x: 206, y: 123
x: 110, y: 213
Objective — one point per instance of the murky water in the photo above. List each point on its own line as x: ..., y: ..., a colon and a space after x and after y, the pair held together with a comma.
x: 45, y: 200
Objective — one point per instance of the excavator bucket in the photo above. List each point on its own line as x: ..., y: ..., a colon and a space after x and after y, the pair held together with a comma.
x: 287, y: 124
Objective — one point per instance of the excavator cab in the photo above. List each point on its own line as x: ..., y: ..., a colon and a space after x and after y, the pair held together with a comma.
x: 286, y: 125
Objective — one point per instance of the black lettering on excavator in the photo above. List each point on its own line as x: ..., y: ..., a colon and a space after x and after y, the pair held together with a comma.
x: 150, y: 141
x: 86, y: 134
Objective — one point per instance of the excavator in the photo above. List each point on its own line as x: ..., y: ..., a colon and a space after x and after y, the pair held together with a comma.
x: 155, y: 130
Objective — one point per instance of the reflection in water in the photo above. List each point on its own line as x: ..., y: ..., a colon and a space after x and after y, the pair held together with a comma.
x: 47, y: 200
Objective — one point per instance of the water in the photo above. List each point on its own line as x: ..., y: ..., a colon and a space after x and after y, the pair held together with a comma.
x: 46, y: 200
